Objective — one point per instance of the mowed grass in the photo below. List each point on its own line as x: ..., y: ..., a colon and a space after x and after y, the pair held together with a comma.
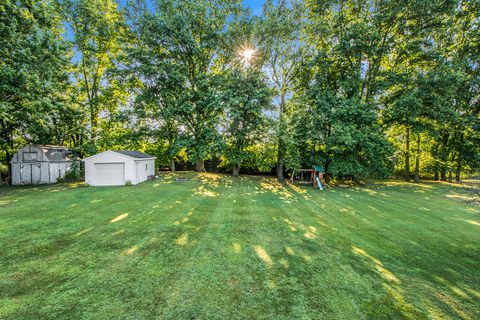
x: 218, y: 247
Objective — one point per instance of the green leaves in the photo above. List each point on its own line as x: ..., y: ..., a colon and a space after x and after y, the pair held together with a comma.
x: 330, y: 82
x: 98, y: 32
x: 245, y: 97
x: 33, y: 72
x: 176, y: 58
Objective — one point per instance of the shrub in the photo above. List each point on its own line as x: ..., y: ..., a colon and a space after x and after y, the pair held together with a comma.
x: 3, y: 173
x: 73, y: 174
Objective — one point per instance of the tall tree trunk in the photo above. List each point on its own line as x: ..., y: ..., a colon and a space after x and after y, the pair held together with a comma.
x: 236, y: 170
x: 93, y: 124
x: 8, y: 158
x: 7, y: 137
x: 417, y: 161
x: 326, y: 177
x: 458, y: 171
x: 281, y: 143
x: 200, y: 167
x: 407, y: 155
x: 444, y: 156
x: 280, y: 157
x: 443, y: 174
x: 450, y: 176
x: 436, y: 175
x: 172, y: 164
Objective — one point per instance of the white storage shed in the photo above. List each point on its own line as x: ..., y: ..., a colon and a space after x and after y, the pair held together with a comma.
x: 40, y: 164
x: 118, y: 167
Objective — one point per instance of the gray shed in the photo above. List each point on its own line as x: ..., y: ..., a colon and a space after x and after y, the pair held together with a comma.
x: 40, y: 164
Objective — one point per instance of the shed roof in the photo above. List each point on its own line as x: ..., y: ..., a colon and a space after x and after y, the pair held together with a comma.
x: 134, y: 154
x: 50, y: 153
x: 128, y: 153
x: 56, y: 153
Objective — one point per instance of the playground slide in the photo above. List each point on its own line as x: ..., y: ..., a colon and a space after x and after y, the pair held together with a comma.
x: 319, y: 183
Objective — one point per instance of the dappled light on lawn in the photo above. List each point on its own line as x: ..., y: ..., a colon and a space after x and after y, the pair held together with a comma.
x: 291, y: 225
x: 469, y: 221
x: 464, y: 197
x: 120, y: 217
x: 395, y: 291
x: 362, y: 252
x: 131, y: 250
x: 237, y: 248
x: 386, y: 274
x: 206, y: 193
x: 475, y: 223
x: 273, y: 186
x: 299, y: 191
x: 5, y: 202
x: 182, y: 240
x: 454, y: 305
x: 311, y: 233
x: 243, y: 253
x: 306, y: 257
x: 284, y: 262
x: 116, y: 233
x: 289, y: 250
x: 264, y: 256
x: 83, y: 231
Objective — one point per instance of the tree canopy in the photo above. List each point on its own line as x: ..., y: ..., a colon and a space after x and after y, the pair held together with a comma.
x: 363, y: 88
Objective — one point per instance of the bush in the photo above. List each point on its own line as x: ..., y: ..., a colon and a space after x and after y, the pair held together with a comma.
x: 73, y: 174
x: 3, y: 173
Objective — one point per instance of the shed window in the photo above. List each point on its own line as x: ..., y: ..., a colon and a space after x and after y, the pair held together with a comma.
x: 146, y: 166
x: 29, y: 156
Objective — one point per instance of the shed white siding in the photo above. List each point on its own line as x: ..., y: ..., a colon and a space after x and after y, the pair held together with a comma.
x: 144, y: 169
x: 111, y: 168
x: 40, y: 164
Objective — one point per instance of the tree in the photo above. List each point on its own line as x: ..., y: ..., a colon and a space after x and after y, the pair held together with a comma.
x: 342, y: 134
x: 430, y: 70
x: 98, y: 28
x: 460, y: 45
x: 246, y: 97
x: 281, y: 41
x: 33, y: 71
x: 179, y: 60
x: 338, y: 87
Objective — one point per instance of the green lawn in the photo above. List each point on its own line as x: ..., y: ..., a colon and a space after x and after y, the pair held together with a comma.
x: 246, y: 248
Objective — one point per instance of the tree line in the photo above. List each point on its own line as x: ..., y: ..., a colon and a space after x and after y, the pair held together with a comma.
x: 362, y: 87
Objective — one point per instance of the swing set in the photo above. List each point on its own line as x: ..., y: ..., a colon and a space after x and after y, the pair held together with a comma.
x: 313, y: 176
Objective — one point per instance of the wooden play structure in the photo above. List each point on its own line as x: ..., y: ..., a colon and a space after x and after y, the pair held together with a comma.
x: 313, y: 176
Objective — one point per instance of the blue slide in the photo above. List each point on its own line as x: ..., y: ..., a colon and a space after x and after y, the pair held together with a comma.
x: 319, y: 184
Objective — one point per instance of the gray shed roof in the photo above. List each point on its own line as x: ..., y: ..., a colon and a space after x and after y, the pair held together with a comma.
x: 43, y: 153
x: 127, y: 153
x: 56, y: 153
x: 134, y: 154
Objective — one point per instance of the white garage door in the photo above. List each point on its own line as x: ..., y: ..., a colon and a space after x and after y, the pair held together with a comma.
x: 110, y: 174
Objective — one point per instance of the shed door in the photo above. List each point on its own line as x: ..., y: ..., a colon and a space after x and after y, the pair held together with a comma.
x: 142, y: 171
x: 26, y: 173
x: 110, y: 174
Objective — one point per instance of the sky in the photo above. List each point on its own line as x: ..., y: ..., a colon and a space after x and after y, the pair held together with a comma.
x: 255, y: 5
